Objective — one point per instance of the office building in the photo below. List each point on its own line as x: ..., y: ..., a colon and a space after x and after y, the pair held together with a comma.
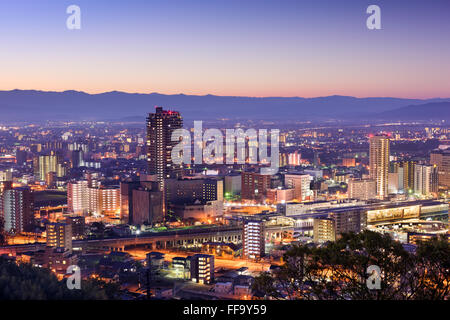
x: 141, y: 201
x: 126, y: 199
x: 405, y: 171
x: 349, y: 162
x: 362, y: 189
x: 192, y: 189
x: 338, y: 221
x: 254, y: 185
x: 78, y: 197
x: 301, y: 185
x: 232, y: 185
x: 441, y: 158
x: 77, y: 224
x: 147, y: 206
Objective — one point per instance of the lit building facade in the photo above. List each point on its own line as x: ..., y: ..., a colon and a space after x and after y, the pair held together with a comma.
x: 59, y: 236
x: 379, y: 163
x: 202, y: 268
x: 423, y: 179
x: 17, y: 210
x: 301, y: 185
x: 253, y: 239
x: 84, y: 197
x: 362, y: 189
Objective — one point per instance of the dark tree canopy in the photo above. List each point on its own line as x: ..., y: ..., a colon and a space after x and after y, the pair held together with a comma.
x: 339, y: 270
x: 24, y: 282
x: 2, y: 231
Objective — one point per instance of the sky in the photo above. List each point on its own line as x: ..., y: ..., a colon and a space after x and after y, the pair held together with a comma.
x: 255, y: 48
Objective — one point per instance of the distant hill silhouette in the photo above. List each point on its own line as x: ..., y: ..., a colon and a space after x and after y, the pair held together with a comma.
x: 31, y: 105
x: 427, y: 111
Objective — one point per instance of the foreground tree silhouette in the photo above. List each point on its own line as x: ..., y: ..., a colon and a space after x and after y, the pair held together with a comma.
x: 432, y: 269
x: 3, y: 239
x: 24, y: 282
x: 338, y: 270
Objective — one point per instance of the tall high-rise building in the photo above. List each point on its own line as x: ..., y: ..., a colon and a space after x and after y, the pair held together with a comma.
x: 106, y: 201
x: 406, y: 175
x: 77, y: 197
x: 77, y: 224
x: 434, y: 184
x: 379, y: 163
x: 253, y: 239
x: 16, y: 208
x: 160, y: 126
x: 44, y: 164
x: 126, y: 199
x: 423, y: 179
x: 76, y: 158
x: 254, y: 185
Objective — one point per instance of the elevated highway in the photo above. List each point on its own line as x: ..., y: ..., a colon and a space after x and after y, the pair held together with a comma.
x: 162, y: 240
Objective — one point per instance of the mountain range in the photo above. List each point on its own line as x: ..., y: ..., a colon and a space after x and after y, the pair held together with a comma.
x: 33, y: 105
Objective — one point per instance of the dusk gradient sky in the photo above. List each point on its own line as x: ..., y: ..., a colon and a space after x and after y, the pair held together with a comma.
x: 228, y: 47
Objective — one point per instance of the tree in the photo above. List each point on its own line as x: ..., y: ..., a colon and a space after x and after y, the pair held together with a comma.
x: 338, y: 270
x: 24, y: 282
x: 98, y: 229
x: 432, y: 269
x: 3, y: 238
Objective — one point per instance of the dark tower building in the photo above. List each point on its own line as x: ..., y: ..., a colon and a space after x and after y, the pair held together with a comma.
x: 76, y: 158
x: 21, y: 157
x: 160, y: 126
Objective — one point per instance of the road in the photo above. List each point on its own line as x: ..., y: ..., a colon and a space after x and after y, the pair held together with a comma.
x: 219, y: 262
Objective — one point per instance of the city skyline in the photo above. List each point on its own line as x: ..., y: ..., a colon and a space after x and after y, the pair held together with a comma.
x: 173, y: 150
